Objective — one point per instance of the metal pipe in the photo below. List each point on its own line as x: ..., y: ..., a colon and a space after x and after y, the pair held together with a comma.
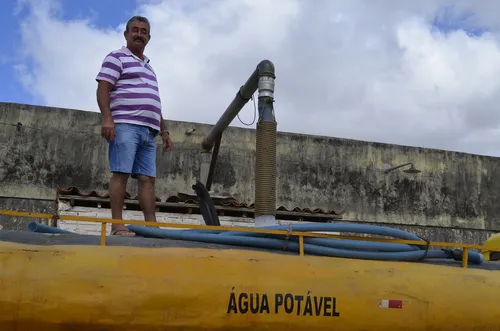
x: 397, y: 167
x: 265, y: 156
x: 265, y: 168
x: 412, y: 169
x: 264, y: 69
x: 205, y: 162
x: 213, y: 162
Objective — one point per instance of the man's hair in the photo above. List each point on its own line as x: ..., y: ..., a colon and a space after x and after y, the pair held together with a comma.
x: 140, y: 19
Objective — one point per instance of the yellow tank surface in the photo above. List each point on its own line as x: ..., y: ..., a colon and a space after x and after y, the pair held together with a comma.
x: 81, y: 287
x: 493, y: 242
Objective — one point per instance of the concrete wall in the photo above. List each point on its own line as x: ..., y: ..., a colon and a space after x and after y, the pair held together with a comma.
x: 61, y: 148
x: 32, y: 205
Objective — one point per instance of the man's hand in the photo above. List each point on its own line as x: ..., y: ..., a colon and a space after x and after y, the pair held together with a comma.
x: 167, y: 142
x: 108, y: 128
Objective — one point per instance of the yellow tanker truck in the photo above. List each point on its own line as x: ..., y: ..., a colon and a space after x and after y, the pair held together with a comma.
x: 266, y: 278
x: 215, y: 278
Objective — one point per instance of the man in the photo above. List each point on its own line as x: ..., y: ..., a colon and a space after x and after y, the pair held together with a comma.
x: 129, y: 100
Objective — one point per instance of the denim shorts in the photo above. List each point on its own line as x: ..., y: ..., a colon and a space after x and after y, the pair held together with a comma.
x: 133, y: 151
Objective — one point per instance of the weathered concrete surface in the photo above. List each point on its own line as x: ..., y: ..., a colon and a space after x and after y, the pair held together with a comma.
x: 61, y: 147
x: 21, y: 204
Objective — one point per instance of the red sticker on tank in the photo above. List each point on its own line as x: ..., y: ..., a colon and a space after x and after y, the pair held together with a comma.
x: 398, y: 304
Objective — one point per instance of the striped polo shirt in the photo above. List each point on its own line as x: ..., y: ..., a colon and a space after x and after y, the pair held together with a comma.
x: 135, y: 97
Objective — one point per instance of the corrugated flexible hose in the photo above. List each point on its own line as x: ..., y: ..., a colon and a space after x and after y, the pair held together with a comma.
x: 265, y: 168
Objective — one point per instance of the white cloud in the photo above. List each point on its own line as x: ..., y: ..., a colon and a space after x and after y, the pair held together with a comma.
x: 370, y: 70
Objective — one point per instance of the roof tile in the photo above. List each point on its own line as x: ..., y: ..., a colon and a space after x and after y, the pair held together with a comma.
x: 193, y: 199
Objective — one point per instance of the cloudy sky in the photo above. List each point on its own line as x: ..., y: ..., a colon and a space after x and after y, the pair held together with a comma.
x: 420, y: 73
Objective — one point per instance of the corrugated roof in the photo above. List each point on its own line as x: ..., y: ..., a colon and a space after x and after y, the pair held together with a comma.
x: 183, y: 198
x: 75, y: 191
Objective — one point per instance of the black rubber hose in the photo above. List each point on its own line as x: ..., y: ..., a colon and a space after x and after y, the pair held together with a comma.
x: 207, y: 207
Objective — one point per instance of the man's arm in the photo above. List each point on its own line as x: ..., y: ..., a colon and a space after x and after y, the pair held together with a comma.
x: 110, y: 72
x: 165, y: 135
x: 103, y: 99
x: 163, y: 126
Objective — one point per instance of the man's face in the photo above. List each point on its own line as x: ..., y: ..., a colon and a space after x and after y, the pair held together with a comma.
x: 138, y: 35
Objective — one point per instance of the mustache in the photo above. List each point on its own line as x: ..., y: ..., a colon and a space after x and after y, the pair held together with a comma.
x: 140, y: 39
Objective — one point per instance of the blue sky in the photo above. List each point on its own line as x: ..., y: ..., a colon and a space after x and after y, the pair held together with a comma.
x: 448, y: 21
x: 110, y: 13
x: 106, y: 13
